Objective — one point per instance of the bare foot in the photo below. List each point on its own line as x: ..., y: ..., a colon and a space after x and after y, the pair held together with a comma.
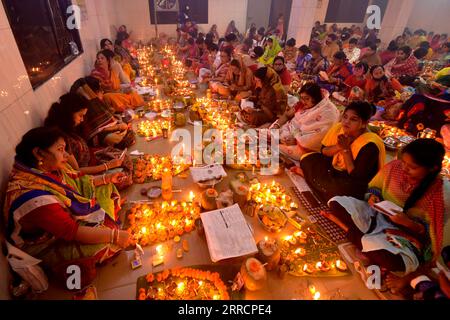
x: 297, y: 171
x: 396, y: 284
x: 332, y: 217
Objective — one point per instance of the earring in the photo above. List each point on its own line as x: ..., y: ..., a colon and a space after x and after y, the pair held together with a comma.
x: 40, y: 163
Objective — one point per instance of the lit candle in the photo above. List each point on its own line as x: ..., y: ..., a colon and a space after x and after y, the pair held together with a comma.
x: 341, y: 265
x: 166, y: 185
x: 180, y: 288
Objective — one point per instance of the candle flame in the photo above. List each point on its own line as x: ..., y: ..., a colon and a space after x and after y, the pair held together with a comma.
x: 180, y: 287
x: 312, y: 289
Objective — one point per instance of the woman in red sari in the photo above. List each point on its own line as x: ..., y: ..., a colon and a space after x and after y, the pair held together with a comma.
x: 50, y: 209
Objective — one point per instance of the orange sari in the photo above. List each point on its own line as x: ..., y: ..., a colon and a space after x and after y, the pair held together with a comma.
x: 113, y: 97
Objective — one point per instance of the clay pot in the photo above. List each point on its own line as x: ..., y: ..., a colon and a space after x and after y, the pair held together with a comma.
x: 254, y: 274
x: 209, y: 199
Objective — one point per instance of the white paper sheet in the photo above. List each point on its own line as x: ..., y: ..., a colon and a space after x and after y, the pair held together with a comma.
x: 228, y: 234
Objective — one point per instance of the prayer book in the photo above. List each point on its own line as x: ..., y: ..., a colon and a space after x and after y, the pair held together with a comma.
x: 227, y: 233
x: 387, y: 208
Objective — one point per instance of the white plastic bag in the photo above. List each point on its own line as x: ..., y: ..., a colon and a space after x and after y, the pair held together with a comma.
x: 28, y: 268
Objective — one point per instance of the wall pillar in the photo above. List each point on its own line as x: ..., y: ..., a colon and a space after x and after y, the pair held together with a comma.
x: 395, y: 19
x: 302, y: 20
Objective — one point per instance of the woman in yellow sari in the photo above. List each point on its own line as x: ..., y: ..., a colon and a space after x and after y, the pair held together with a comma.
x: 350, y: 157
x: 110, y: 83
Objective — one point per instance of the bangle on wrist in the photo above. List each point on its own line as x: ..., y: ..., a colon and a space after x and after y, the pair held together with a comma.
x: 104, y: 179
x: 111, y: 237
x: 106, y: 166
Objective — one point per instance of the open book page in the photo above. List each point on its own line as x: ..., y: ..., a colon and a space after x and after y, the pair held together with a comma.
x: 387, y: 208
x: 227, y: 234
x: 215, y: 171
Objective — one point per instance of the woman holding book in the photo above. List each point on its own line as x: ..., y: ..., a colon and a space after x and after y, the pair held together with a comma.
x: 411, y: 239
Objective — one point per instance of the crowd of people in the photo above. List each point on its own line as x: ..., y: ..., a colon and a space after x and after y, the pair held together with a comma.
x: 62, y: 167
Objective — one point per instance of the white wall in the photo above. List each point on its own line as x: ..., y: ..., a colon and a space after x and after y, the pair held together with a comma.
x: 21, y: 108
x: 430, y: 15
x: 137, y: 17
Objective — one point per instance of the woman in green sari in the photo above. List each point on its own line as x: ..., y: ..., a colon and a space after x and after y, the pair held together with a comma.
x: 272, y: 50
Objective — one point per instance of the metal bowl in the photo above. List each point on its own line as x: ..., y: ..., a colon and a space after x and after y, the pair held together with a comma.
x: 274, y: 228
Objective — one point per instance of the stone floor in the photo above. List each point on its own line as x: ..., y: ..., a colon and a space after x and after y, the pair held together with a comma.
x: 117, y: 281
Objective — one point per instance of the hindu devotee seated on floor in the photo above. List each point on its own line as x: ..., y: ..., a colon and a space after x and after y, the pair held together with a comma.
x: 352, y: 52
x: 272, y: 49
x: 271, y: 99
x: 350, y: 156
x: 304, y: 56
x: 405, y: 64
x: 410, y: 239
x: 239, y: 82
x: 117, y: 98
x: 101, y: 128
x: 342, y: 106
x: 67, y: 115
x: 56, y: 214
x: 218, y: 76
x: 106, y: 44
x: 370, y: 56
x: 290, y: 54
x: 330, y: 47
x: 381, y: 91
x: 315, y: 65
x: 280, y: 67
x: 302, y: 128
x: 333, y: 79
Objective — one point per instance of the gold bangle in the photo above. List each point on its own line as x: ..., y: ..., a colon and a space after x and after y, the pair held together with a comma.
x: 106, y: 166
x: 104, y: 179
